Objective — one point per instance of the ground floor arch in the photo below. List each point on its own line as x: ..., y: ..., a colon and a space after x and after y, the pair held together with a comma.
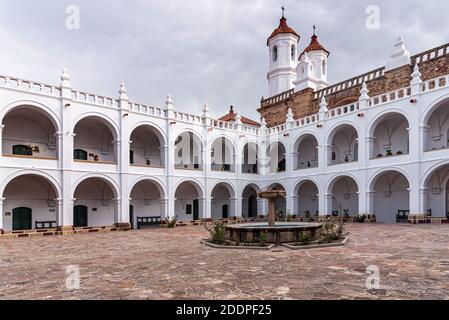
x: 390, y: 197
x: 306, y: 195
x: 189, y: 201
x: 223, y: 201
x: 147, y: 199
x: 30, y: 202
x: 250, y: 201
x: 343, y: 197
x: 436, y: 192
x: 95, y: 203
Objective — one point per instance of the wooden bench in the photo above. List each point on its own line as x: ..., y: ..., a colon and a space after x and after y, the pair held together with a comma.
x: 41, y: 225
x: 402, y: 216
x: 148, y: 222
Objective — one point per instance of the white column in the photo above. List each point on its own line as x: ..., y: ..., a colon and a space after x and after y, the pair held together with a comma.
x: 370, y: 197
x: 60, y: 213
x: 325, y: 204
x: 2, y: 200
x: 369, y: 148
x: 234, y: 207
x: 290, y: 204
x: 205, y: 208
x: 325, y: 158
x: 294, y: 204
x: 163, y: 208
x: 2, y: 127
x: 295, y: 160
x: 170, y: 207
x: 116, y: 203
x: 262, y: 207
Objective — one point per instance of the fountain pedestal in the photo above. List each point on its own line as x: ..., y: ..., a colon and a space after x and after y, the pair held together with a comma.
x: 271, y: 196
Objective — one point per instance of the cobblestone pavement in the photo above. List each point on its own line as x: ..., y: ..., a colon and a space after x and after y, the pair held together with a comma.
x: 172, y: 264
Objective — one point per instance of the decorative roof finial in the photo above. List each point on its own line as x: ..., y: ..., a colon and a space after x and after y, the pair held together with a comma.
x: 314, y: 30
x: 283, y: 11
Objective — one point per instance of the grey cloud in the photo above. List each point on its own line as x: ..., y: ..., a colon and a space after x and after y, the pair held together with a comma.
x: 201, y: 51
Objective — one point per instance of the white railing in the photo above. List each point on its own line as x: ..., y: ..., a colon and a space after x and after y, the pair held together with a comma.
x: 343, y: 110
x: 434, y: 84
x: 250, y: 130
x: 307, y: 120
x: 152, y: 111
x: 277, y: 129
x: 186, y: 117
x: 430, y: 54
x: 390, y: 96
x: 29, y: 86
x: 359, y: 80
x: 94, y: 99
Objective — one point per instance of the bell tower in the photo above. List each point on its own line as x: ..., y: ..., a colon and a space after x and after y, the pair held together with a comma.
x: 283, y: 57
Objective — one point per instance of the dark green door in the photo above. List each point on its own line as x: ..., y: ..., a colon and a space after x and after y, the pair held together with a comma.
x: 196, y: 210
x: 22, y: 150
x: 21, y: 219
x: 131, y: 216
x: 80, y: 216
x: 225, y: 211
x: 79, y: 154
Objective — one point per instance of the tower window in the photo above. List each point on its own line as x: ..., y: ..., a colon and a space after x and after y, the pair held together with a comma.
x: 293, y: 52
x: 275, y: 53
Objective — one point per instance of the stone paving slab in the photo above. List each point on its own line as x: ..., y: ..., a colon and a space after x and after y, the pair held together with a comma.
x: 172, y: 264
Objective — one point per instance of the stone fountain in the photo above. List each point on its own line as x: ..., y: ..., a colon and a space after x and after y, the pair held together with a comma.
x: 276, y: 232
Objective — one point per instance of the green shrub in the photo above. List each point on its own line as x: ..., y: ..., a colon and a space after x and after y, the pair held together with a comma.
x: 171, y: 223
x: 305, y: 239
x: 263, y: 238
x: 332, y: 231
x: 360, y: 219
x: 218, y: 233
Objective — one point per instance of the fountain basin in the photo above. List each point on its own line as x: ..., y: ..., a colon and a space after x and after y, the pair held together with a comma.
x: 282, y: 232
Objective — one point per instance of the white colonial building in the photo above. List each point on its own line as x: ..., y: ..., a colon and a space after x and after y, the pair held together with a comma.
x: 73, y: 160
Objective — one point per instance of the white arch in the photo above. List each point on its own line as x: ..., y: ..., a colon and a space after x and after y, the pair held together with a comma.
x: 147, y: 123
x: 373, y: 124
x: 253, y: 185
x: 40, y: 173
x: 158, y: 183
x: 301, y: 181
x: 336, y: 177
x: 54, y: 118
x: 197, y: 184
x: 334, y: 130
x: 300, y: 138
x: 111, y: 182
x: 433, y: 106
x: 109, y: 122
x: 431, y: 171
x: 196, y: 134
x: 228, y: 185
x: 376, y: 175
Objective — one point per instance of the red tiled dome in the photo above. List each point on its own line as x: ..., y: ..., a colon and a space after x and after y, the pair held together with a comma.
x: 283, y: 28
x: 315, y: 46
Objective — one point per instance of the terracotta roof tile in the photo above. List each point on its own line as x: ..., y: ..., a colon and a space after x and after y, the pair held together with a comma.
x: 283, y: 28
x: 231, y: 117
x: 315, y: 46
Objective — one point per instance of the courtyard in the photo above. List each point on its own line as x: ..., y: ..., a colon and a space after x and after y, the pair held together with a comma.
x: 172, y: 264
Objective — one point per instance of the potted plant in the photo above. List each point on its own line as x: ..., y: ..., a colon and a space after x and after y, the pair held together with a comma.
x: 389, y: 152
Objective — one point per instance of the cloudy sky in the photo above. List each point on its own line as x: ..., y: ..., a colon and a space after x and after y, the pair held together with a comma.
x: 201, y: 51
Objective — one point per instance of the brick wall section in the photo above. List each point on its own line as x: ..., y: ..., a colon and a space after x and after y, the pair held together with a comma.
x: 303, y: 104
